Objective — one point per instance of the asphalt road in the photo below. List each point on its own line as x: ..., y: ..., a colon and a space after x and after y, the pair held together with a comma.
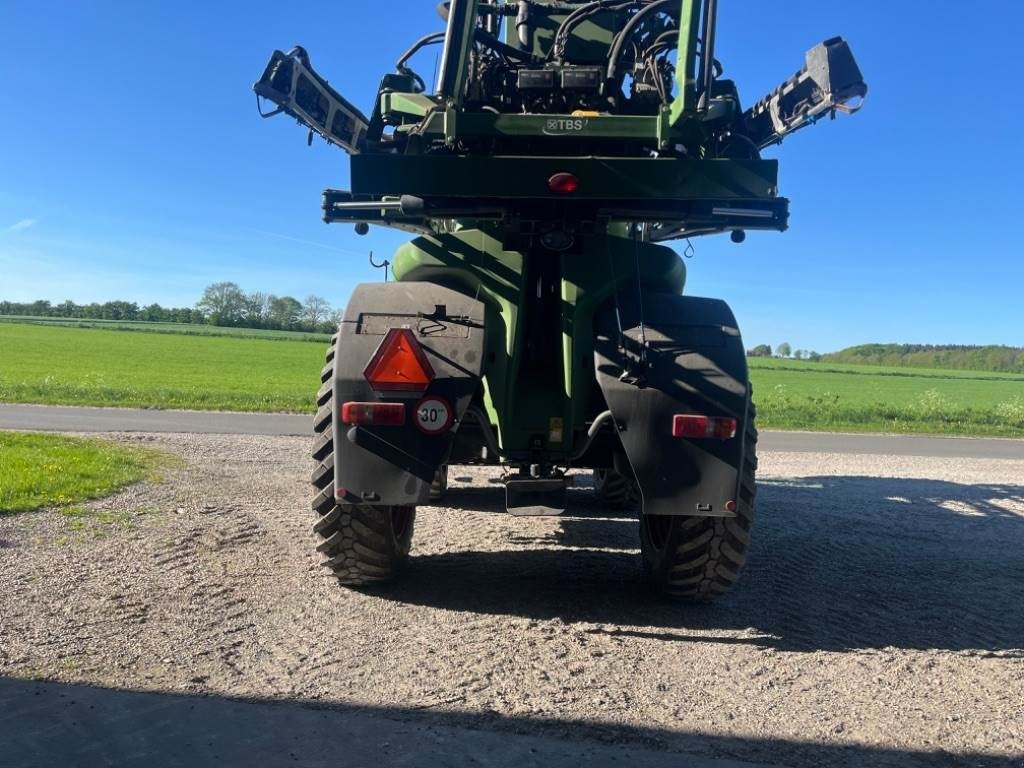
x: 72, y: 419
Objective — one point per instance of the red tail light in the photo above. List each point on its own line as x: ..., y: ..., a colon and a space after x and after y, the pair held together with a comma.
x: 379, y: 414
x: 563, y: 183
x: 399, y: 364
x: 703, y: 427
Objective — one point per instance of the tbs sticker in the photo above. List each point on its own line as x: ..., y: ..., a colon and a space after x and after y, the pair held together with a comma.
x: 563, y: 125
x: 433, y: 415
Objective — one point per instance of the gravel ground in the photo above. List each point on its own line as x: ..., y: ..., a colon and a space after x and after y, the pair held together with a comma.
x: 880, y: 619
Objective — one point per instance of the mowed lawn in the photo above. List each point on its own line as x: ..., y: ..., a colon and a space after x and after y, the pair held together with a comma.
x: 88, y: 366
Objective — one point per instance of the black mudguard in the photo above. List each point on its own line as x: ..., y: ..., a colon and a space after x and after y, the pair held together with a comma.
x: 695, y: 364
x: 396, y: 464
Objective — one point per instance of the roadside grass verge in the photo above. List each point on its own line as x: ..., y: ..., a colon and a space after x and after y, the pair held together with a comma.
x: 44, y: 470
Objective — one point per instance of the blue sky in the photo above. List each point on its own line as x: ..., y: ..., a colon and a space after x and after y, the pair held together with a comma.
x: 133, y: 164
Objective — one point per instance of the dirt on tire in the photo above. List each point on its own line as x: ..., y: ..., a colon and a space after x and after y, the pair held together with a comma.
x: 879, y: 619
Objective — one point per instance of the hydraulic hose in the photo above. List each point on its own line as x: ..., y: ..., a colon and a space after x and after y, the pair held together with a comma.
x: 424, y: 41
x: 600, y: 421
x: 627, y: 32
x: 490, y: 440
x: 557, y: 51
x: 485, y: 39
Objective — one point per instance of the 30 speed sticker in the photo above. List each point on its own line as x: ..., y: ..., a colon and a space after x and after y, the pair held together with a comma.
x: 433, y: 415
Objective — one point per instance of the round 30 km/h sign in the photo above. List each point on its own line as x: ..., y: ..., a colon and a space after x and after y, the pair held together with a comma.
x: 433, y: 415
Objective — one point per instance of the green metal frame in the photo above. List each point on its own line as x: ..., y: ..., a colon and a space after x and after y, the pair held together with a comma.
x: 442, y: 116
x: 459, y: 42
x: 686, y: 67
x: 601, y: 178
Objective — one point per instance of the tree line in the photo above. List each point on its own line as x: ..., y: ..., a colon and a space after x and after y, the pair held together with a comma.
x: 992, y: 357
x: 784, y: 350
x: 222, y: 304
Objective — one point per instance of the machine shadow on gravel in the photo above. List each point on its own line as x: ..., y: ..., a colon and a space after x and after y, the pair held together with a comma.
x: 844, y: 562
x: 48, y: 723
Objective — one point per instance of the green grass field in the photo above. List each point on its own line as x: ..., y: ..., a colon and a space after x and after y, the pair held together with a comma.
x: 185, y: 329
x: 90, y: 366
x: 48, y: 470
x: 795, y: 395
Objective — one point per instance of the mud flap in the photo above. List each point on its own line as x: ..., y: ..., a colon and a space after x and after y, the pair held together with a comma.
x: 397, y: 464
x: 693, y: 363
x: 535, y: 497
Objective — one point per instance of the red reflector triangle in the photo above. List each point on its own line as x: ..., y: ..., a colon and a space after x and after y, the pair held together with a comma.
x: 399, y: 364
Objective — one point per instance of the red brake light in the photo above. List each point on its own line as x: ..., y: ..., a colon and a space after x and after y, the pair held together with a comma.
x: 702, y: 427
x: 381, y: 414
x: 563, y: 183
x: 399, y: 364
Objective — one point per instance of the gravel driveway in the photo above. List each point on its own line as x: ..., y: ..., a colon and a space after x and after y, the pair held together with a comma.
x: 880, y: 619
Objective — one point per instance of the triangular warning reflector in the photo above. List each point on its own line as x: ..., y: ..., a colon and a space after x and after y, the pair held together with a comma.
x: 399, y: 364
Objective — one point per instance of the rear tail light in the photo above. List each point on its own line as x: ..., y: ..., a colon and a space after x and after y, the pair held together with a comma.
x: 703, y: 427
x: 399, y: 364
x: 563, y: 183
x: 377, y: 414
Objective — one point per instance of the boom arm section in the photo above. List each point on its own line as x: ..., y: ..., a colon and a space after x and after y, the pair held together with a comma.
x: 830, y: 82
x: 290, y: 82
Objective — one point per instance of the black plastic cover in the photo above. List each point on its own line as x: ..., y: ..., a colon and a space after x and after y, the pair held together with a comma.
x: 532, y: 79
x: 396, y: 464
x: 693, y: 363
x: 582, y: 78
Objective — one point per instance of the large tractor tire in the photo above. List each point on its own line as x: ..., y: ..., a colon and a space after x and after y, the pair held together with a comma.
x: 360, y: 543
x: 615, y: 490
x: 697, y: 558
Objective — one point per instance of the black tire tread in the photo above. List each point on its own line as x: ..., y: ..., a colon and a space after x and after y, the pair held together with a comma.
x: 615, y: 491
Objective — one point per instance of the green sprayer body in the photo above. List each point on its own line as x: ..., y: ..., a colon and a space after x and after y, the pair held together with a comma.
x: 562, y: 145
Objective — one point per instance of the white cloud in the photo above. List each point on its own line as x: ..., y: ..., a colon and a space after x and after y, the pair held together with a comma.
x: 20, y: 226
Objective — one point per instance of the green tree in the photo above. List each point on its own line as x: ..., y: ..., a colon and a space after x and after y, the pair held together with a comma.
x: 784, y: 350
x: 222, y: 303
x: 153, y: 313
x: 257, y: 309
x: 761, y: 350
x: 285, y: 311
x: 315, y: 311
